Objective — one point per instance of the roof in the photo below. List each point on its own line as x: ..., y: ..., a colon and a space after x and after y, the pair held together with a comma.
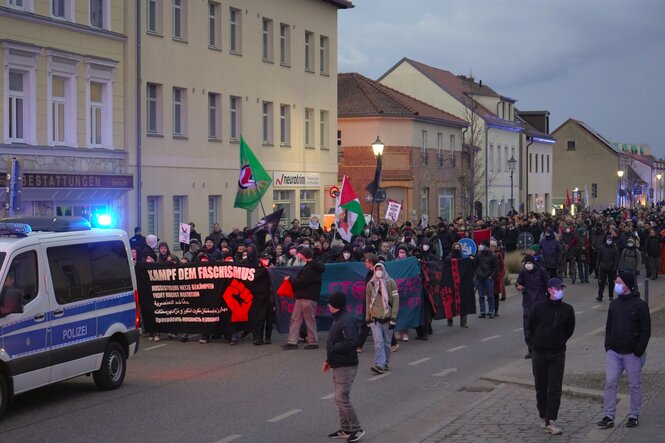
x: 462, y: 88
x: 359, y: 96
x: 590, y: 130
x: 529, y: 130
x: 341, y: 4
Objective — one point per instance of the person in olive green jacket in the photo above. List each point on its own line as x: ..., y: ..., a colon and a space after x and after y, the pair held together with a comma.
x: 382, y: 306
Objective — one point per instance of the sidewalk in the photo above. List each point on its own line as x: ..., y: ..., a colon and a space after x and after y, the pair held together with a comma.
x: 508, y: 412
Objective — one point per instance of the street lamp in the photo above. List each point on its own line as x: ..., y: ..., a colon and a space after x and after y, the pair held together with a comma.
x: 511, y: 167
x: 658, y: 177
x: 620, y: 174
x: 377, y: 149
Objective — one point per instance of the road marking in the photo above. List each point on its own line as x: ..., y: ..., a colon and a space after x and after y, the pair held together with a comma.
x: 456, y: 349
x: 417, y: 362
x: 579, y: 312
x: 518, y: 330
x: 229, y: 438
x: 595, y: 331
x: 154, y: 347
x: 379, y: 377
x: 490, y: 338
x: 328, y: 397
x: 445, y: 372
x: 284, y: 415
x: 596, y: 306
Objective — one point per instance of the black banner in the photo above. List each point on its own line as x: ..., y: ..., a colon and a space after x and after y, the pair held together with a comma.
x: 449, y: 285
x: 201, y: 298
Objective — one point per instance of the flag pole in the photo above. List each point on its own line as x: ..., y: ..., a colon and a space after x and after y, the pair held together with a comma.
x: 272, y: 237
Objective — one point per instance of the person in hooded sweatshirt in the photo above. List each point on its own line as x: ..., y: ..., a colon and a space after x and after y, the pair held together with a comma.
x: 164, y: 252
x: 532, y: 283
x: 381, y: 309
x: 607, y: 263
x: 627, y: 333
x: 550, y: 249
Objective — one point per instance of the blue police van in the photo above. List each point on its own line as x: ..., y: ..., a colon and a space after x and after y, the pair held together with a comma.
x: 68, y: 304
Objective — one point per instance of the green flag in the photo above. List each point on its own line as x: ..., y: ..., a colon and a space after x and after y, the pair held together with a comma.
x: 253, y: 181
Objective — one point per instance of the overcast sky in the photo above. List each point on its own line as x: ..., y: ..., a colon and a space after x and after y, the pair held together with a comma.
x: 599, y: 61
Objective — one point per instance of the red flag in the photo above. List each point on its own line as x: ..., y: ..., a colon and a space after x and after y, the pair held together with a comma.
x: 567, y: 198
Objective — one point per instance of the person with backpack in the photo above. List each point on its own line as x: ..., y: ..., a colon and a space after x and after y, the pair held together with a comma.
x: 630, y: 259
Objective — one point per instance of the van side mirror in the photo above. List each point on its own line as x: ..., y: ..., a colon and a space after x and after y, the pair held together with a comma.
x: 12, y: 302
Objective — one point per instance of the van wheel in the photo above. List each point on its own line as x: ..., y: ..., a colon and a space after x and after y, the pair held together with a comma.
x: 4, y: 395
x: 114, y: 365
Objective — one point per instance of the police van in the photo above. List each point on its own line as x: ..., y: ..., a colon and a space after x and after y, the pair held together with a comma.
x: 68, y: 304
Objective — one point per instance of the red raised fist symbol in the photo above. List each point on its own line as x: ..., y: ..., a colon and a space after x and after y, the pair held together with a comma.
x: 239, y: 300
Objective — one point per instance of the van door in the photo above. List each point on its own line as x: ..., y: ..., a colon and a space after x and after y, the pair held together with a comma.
x: 25, y: 335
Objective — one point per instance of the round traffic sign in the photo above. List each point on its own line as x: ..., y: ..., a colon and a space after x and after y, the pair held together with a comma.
x: 334, y: 191
x: 468, y: 247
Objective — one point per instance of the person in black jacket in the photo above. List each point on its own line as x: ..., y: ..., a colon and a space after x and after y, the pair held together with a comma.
x: 607, y: 263
x: 652, y: 250
x: 342, y: 358
x: 627, y: 334
x: 307, y: 288
x: 550, y: 325
x: 532, y: 283
x: 486, y: 266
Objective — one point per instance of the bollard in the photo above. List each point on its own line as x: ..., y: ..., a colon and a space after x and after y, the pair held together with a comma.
x: 646, y: 291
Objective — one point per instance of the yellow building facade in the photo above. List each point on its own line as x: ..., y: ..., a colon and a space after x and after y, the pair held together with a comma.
x: 211, y: 72
x: 63, y: 105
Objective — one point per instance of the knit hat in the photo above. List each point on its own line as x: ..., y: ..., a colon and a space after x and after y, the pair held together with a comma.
x: 337, y: 300
x: 151, y: 240
x: 628, y: 279
x: 528, y: 259
x: 307, y: 253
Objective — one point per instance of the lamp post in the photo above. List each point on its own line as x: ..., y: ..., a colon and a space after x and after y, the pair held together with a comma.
x: 657, y: 193
x: 620, y: 175
x: 377, y: 149
x: 511, y: 167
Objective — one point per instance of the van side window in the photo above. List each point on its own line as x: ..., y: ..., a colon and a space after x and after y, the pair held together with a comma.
x: 84, y: 271
x: 22, y: 276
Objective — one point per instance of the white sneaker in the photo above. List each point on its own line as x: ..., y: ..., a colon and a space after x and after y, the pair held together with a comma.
x: 157, y: 338
x: 542, y: 423
x: 552, y: 428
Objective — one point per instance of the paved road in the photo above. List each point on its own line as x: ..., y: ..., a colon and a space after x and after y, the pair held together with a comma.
x: 217, y: 393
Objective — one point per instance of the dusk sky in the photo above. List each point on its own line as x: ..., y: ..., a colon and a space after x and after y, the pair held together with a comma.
x: 599, y: 61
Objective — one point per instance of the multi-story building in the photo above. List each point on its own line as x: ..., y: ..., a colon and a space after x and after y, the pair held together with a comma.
x: 211, y: 72
x: 422, y: 159
x: 63, y: 105
x: 536, y: 169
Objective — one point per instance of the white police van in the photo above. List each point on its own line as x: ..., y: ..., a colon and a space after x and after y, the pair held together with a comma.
x: 68, y: 304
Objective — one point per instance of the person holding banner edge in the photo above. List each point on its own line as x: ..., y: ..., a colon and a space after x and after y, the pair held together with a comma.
x: 382, y: 307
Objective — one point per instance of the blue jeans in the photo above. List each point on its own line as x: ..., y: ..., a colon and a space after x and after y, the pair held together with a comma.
x: 343, y: 379
x: 614, y: 366
x: 381, y: 335
x: 485, y: 288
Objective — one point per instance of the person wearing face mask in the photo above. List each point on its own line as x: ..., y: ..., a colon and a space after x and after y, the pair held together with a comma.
x: 532, y: 283
x: 347, y: 254
x: 467, y: 300
x: 263, y: 332
x: 487, y: 265
x: 550, y: 325
x: 426, y: 248
x: 402, y: 252
x: 627, y: 333
x: 629, y: 260
x: 607, y: 263
x: 550, y: 250
x: 382, y: 307
x: 499, y: 285
x: 652, y: 250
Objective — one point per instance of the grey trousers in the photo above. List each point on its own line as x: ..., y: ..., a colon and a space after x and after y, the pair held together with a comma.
x: 343, y: 379
x: 303, y: 309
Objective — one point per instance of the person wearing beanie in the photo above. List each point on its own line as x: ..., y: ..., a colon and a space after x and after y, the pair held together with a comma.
x: 607, y: 263
x: 551, y: 323
x: 532, y: 283
x: 307, y: 287
x: 627, y: 334
x: 381, y: 309
x: 347, y: 254
x: 293, y: 256
x: 342, y: 358
x: 550, y: 250
x: 193, y: 251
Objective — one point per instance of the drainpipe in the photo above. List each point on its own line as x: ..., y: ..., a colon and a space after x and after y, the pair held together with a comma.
x: 526, y: 181
x: 462, y: 164
x: 138, y: 114
x: 487, y: 191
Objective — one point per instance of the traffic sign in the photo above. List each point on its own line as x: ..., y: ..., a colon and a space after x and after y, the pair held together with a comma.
x: 468, y: 247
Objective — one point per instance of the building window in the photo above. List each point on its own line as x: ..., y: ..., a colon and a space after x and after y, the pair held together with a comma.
x: 235, y: 29
x: 491, y: 158
x: 571, y: 145
x: 536, y: 163
x: 236, y: 117
x: 213, y: 210
x: 530, y: 162
x: 284, y: 44
x: 96, y: 109
x: 424, y: 141
x: 24, y: 5
x: 283, y: 200
x: 498, y: 158
x: 154, y: 16
x: 17, y: 106
x: 324, y: 49
x: 309, y: 51
x: 506, y: 158
x: 63, y: 9
x: 58, y: 103
x: 213, y: 25
x: 179, y: 112
x: 309, y: 128
x: 548, y: 163
x: 267, y: 38
x: 179, y: 202
x: 307, y: 205
x: 20, y: 104
x: 179, y: 19
x: 446, y: 203
x: 153, y: 215
x: 61, y: 91
x: 424, y: 201
x: 452, y: 149
x: 214, y: 119
x: 267, y: 123
x: 323, y: 129
x: 154, y: 119
x: 542, y: 162
x: 284, y: 125
x: 100, y: 11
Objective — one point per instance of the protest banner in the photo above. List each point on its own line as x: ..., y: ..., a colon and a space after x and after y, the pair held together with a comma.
x: 450, y: 287
x: 184, y: 233
x: 392, y: 211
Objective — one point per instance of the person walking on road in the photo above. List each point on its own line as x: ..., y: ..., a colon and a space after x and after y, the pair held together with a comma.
x: 607, y: 263
x: 487, y: 265
x: 532, y: 283
x: 627, y: 334
x: 382, y: 307
x: 342, y: 358
x: 550, y: 249
x: 551, y: 324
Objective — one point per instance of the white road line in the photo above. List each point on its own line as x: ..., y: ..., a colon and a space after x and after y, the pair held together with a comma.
x: 229, y: 438
x: 417, y: 362
x: 379, y: 377
x: 595, y: 331
x: 154, y: 347
x: 456, y: 349
x: 518, y: 330
x: 579, y: 312
x: 328, y: 397
x: 445, y: 372
x: 596, y: 306
x: 284, y: 415
x: 490, y: 338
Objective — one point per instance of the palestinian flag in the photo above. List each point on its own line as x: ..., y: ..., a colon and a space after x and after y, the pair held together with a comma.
x: 350, y: 217
x: 253, y: 180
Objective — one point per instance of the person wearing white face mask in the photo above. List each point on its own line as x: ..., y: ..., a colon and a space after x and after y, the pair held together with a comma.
x: 382, y: 307
x: 551, y: 323
x: 532, y: 283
